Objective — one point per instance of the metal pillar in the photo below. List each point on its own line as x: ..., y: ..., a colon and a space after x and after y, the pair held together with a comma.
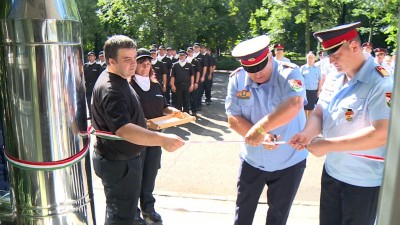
x: 44, y: 108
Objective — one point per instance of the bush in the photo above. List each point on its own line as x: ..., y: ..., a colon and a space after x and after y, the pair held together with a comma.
x: 227, y: 63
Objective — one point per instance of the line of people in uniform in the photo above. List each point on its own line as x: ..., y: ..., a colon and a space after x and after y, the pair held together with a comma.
x: 265, y: 103
x: 186, y: 76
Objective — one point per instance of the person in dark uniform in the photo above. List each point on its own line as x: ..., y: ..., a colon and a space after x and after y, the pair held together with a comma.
x: 92, y: 71
x: 162, y: 56
x: 102, y: 60
x: 203, y: 64
x: 4, y: 185
x: 197, y: 69
x: 116, y: 109
x: 209, y: 79
x: 154, y: 105
x: 160, y: 70
x: 264, y: 102
x: 182, y: 82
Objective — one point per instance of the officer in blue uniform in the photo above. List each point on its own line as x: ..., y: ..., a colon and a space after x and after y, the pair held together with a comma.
x: 265, y: 100
x: 353, y: 114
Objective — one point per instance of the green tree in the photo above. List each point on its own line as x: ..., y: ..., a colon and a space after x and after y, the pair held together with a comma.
x: 93, y: 34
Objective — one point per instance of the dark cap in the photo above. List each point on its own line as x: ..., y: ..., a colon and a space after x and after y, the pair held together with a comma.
x: 279, y: 46
x: 142, y: 52
x: 196, y: 44
x: 253, y: 53
x: 101, y: 53
x: 367, y: 45
x: 380, y: 50
x: 332, y: 39
x: 91, y: 53
x: 182, y: 52
x: 161, y: 47
x: 189, y: 49
x: 153, y: 51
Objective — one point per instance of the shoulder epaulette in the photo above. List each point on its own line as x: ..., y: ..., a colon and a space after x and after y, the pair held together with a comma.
x: 235, y: 71
x: 382, y: 71
x: 289, y: 64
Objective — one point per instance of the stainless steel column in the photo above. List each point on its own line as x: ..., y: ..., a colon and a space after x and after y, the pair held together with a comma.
x: 44, y: 108
x: 389, y: 198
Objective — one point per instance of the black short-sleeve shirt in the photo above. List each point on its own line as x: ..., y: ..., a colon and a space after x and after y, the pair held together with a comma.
x: 153, y: 101
x: 160, y: 69
x: 115, y: 104
x: 182, y: 74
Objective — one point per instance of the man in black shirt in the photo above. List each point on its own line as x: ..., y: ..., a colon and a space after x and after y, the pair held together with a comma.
x: 159, y: 69
x: 162, y: 56
x: 102, y: 60
x: 117, y: 111
x: 203, y: 74
x: 197, y: 70
x: 182, y: 82
x: 209, y: 79
x: 92, y: 71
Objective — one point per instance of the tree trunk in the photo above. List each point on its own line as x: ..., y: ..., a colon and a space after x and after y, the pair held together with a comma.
x: 307, y: 26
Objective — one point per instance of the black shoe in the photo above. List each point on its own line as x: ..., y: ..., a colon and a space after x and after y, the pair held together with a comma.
x: 139, y: 221
x: 207, y: 103
x: 153, y: 216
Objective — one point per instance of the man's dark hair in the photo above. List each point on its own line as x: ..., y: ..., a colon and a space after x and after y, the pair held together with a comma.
x: 116, y: 42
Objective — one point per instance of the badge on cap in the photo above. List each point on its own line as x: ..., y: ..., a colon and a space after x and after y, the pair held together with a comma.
x: 388, y: 96
x: 382, y: 71
x: 349, y: 115
x: 244, y: 94
x: 296, y: 85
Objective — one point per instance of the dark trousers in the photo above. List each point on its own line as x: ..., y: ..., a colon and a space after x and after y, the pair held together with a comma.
x: 181, y: 97
x: 207, y: 89
x: 345, y: 204
x: 121, y: 180
x: 193, y: 101
x: 200, y: 91
x: 167, y: 94
x: 151, y: 161
x: 282, y: 188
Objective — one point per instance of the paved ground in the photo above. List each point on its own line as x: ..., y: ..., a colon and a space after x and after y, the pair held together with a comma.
x: 197, y: 184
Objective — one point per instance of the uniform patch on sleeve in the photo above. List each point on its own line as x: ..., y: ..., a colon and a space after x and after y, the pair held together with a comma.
x: 243, y: 94
x: 382, y: 71
x: 388, y: 96
x: 349, y: 115
x: 296, y: 85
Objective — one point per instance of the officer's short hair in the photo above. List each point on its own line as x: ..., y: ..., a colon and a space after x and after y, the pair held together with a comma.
x: 116, y: 42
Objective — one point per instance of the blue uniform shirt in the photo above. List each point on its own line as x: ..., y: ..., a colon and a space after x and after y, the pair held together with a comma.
x: 312, y: 76
x: 264, y: 99
x: 364, y: 100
